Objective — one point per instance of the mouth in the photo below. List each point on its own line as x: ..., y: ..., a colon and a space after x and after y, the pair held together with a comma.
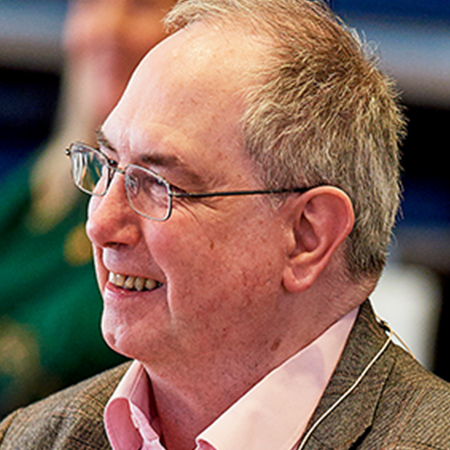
x: 131, y: 283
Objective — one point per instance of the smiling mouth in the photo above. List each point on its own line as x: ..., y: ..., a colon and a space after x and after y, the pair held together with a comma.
x: 130, y: 283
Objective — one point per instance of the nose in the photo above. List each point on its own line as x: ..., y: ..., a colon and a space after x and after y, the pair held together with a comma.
x: 111, y: 221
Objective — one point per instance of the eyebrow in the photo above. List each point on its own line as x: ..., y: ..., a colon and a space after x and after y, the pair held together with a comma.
x: 101, y: 140
x: 159, y: 160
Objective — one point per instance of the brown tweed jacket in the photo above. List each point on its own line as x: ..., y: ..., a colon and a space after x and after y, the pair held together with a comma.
x: 398, y: 405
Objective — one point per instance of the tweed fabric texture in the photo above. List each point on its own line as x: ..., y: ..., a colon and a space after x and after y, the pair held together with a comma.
x: 398, y: 405
x: 71, y: 419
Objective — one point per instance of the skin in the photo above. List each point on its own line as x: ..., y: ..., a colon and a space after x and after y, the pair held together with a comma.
x: 204, y: 251
x: 243, y: 282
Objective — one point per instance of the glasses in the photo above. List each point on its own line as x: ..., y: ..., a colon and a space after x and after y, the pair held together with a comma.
x: 148, y: 194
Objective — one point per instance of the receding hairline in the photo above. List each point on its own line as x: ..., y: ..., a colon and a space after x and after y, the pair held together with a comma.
x: 243, y: 13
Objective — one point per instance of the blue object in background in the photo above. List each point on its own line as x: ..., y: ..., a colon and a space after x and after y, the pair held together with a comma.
x: 421, y: 9
x: 28, y: 102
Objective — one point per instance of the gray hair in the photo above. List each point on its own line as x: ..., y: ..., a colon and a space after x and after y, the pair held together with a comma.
x: 324, y: 113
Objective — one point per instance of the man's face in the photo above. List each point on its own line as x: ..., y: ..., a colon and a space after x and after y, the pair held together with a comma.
x: 217, y: 262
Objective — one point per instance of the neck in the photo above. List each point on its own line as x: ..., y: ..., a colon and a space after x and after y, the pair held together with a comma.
x: 190, y: 395
x: 192, y: 392
x: 188, y: 404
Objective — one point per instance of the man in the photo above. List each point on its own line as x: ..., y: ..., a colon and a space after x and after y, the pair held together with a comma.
x: 244, y: 191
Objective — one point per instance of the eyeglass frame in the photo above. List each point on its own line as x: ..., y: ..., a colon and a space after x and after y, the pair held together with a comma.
x: 171, y: 188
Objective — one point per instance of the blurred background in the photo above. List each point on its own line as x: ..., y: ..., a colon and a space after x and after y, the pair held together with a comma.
x: 412, y: 40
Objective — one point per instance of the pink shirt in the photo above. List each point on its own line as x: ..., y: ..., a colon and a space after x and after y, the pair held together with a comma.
x: 272, y: 415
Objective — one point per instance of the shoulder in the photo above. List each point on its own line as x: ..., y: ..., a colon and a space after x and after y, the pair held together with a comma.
x: 412, y: 407
x: 72, y: 418
x: 380, y: 397
x: 416, y: 404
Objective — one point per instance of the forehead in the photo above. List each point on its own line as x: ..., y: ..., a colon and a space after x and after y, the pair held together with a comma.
x: 188, y: 92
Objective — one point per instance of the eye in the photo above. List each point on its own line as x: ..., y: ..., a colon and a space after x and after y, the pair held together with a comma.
x: 109, y: 161
x: 104, y: 153
x: 141, y: 182
x: 153, y: 185
x: 112, y: 163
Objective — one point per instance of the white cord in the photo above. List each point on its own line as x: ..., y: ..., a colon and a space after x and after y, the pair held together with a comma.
x: 385, y: 325
x: 350, y: 389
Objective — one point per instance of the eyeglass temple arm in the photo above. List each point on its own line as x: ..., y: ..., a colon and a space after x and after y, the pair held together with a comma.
x: 234, y: 193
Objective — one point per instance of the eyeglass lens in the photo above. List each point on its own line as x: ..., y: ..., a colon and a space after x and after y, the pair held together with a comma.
x: 90, y: 171
x: 147, y: 194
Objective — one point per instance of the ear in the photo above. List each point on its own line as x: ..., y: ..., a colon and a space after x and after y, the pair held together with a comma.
x: 322, y: 218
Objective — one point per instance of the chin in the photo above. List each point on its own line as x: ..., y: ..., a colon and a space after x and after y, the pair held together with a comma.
x: 116, y: 337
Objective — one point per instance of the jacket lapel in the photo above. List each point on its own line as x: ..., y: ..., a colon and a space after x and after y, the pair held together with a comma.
x: 348, y: 421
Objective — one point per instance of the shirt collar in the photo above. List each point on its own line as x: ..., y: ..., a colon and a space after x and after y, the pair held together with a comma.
x: 129, y: 416
x: 276, y: 411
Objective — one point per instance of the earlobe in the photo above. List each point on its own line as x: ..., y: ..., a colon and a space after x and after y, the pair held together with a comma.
x: 323, y: 218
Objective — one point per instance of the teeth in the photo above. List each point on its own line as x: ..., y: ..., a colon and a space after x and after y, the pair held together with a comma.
x: 150, y: 284
x: 132, y: 283
x: 118, y: 280
x: 129, y: 283
x: 139, y: 283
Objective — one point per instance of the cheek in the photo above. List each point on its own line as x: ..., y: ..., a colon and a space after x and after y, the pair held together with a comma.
x: 182, y: 255
x: 233, y: 267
